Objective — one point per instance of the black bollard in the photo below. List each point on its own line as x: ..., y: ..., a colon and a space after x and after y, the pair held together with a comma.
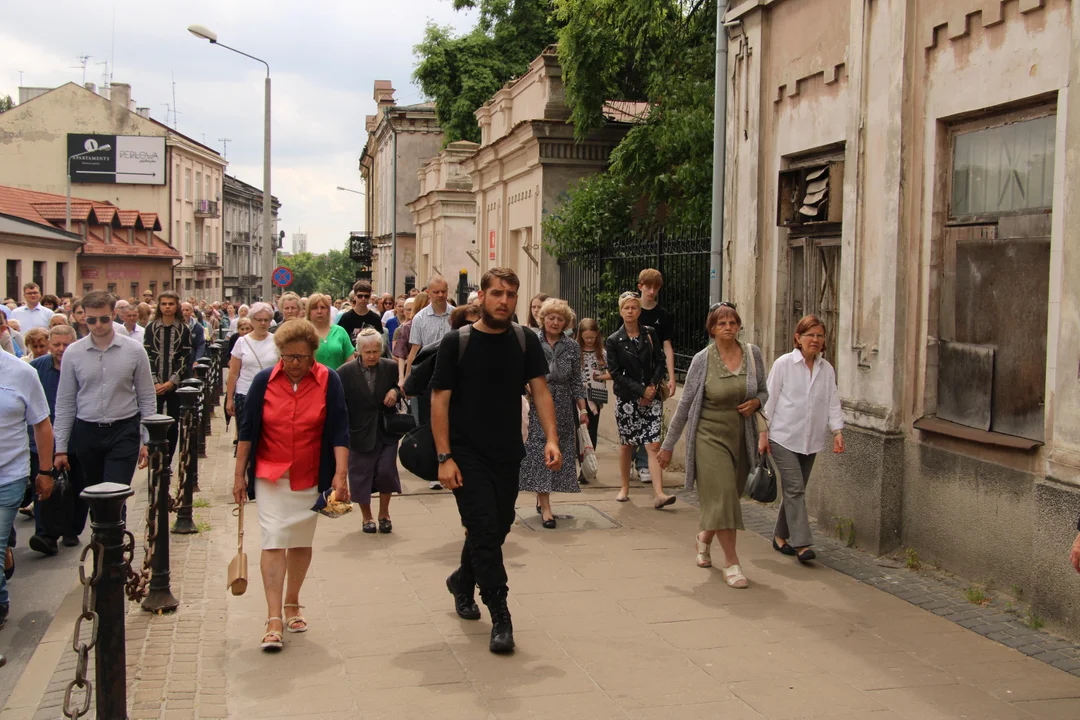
x: 198, y: 385
x: 214, y: 351
x: 160, y: 597
x: 201, y: 371
x: 219, y: 375
x: 107, y: 501
x: 189, y: 398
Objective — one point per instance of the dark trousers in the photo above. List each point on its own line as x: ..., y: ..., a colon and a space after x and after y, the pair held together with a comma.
x: 485, y: 502
x: 169, y: 404
x: 105, y: 454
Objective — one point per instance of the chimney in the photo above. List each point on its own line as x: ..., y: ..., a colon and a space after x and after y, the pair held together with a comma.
x: 91, y: 87
x: 384, y: 93
x: 143, y: 112
x: 121, y: 95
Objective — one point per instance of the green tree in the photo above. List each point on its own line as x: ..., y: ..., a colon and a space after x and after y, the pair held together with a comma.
x: 305, y: 272
x: 332, y: 273
x: 658, y: 51
x: 6, y: 103
x: 461, y: 72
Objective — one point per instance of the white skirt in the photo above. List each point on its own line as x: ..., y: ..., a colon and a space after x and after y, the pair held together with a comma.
x: 285, y: 515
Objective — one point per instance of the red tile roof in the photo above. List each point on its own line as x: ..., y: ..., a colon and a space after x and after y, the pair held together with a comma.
x: 50, y: 210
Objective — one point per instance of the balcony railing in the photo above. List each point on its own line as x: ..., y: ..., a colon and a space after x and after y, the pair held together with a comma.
x: 206, y: 209
x: 252, y: 280
x: 242, y: 237
x: 206, y: 260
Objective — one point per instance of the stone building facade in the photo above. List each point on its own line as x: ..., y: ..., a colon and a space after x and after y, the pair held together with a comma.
x: 899, y: 168
x: 244, y: 241
x: 444, y: 216
x: 419, y: 139
x: 528, y: 158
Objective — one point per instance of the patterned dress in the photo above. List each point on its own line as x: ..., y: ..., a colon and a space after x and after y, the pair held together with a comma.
x: 564, y: 381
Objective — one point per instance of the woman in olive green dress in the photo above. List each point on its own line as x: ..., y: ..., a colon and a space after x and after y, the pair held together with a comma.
x: 724, y: 387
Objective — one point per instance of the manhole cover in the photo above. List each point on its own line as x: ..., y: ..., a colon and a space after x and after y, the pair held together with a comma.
x: 570, y: 517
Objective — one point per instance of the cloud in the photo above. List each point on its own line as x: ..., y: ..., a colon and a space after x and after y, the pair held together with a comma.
x: 324, y: 55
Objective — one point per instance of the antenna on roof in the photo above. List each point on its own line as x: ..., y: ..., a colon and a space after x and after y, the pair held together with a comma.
x: 175, y: 112
x: 112, y: 52
x: 105, y: 75
x: 225, y: 147
x: 20, y: 78
x: 82, y: 64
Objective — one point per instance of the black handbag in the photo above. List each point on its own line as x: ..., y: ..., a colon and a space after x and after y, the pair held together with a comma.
x: 398, y: 423
x: 761, y: 483
x: 418, y: 454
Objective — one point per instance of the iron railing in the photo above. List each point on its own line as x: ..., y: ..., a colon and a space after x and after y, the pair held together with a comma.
x: 206, y: 209
x: 591, y: 282
x: 206, y: 259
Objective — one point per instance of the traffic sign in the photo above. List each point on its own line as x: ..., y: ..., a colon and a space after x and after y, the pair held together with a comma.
x: 282, y: 276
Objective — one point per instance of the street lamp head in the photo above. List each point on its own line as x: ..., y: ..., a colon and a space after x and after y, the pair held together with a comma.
x: 205, y: 33
x: 104, y: 148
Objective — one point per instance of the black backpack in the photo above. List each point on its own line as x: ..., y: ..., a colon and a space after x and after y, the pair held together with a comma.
x: 417, y: 452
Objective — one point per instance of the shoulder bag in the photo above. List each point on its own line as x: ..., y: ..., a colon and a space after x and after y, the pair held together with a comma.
x: 397, y: 423
x: 762, y: 481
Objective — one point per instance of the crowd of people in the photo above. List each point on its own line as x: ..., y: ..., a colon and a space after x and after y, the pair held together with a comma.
x: 313, y: 382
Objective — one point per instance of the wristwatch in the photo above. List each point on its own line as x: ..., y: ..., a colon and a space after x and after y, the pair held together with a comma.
x: 443, y: 457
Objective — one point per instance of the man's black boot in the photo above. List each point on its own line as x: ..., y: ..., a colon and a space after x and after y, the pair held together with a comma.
x: 464, y: 598
x: 502, y: 629
x: 43, y: 544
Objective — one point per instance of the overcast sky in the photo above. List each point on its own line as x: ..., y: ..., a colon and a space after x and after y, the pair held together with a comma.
x: 324, y: 57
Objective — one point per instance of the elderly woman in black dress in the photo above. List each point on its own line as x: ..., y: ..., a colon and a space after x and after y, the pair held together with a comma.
x: 564, y: 380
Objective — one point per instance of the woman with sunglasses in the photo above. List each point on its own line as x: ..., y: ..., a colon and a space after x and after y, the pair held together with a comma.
x: 253, y: 352
x: 294, y: 445
x: 636, y: 363
x: 725, y: 386
x: 803, y: 408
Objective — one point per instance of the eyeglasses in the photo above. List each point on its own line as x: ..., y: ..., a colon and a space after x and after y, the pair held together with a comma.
x: 363, y: 296
x: 723, y: 303
x: 296, y: 358
x: 91, y: 320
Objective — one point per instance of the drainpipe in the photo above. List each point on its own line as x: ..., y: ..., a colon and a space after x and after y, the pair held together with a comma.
x: 393, y: 202
x: 716, y: 246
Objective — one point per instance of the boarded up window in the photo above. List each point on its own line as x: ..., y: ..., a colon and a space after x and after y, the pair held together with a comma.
x: 1004, y: 169
x: 996, y: 278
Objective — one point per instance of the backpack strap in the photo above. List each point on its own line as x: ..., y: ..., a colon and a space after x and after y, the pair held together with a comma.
x: 466, y: 331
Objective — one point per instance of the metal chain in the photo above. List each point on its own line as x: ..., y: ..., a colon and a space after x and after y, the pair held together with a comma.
x: 138, y: 584
x: 187, y: 424
x: 82, y: 649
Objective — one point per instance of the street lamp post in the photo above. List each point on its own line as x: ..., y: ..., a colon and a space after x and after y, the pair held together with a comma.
x: 67, y: 214
x: 358, y: 192
x: 269, y: 243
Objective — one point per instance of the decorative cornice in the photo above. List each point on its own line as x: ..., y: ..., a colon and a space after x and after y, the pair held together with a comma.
x: 989, y: 12
x: 832, y: 72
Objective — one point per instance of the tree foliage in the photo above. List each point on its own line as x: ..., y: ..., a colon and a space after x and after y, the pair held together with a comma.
x: 6, y: 103
x: 332, y: 273
x: 659, y: 51
x: 461, y: 72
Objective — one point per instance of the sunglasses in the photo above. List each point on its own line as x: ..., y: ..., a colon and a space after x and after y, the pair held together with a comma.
x: 363, y: 296
x: 629, y: 294
x: 95, y: 320
x: 725, y: 303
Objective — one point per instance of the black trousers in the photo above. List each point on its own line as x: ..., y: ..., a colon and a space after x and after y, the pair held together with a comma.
x: 485, y: 502
x: 64, y: 513
x: 169, y: 404
x: 105, y: 454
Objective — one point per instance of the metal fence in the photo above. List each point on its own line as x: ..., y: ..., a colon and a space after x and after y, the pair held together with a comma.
x: 592, y: 281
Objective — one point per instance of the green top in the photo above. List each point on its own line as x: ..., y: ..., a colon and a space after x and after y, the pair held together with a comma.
x: 336, y: 349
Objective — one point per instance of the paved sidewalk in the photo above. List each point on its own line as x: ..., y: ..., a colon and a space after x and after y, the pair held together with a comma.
x: 610, y: 623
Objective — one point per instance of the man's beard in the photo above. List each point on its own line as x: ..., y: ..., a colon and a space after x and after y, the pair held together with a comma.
x: 493, y: 322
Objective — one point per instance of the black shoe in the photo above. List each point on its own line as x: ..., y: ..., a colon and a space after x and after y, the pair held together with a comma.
x: 581, y: 480
x: 502, y: 628
x: 549, y: 524
x: 807, y: 555
x: 385, y: 526
x: 26, y: 512
x: 71, y: 541
x: 3, y: 614
x: 464, y: 601
x: 784, y: 549
x: 43, y: 544
x: 539, y: 511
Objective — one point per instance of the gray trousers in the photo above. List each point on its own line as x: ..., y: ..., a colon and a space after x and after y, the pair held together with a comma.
x: 793, y: 523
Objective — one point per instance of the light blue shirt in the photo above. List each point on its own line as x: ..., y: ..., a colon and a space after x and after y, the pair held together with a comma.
x: 22, y: 403
x: 38, y: 317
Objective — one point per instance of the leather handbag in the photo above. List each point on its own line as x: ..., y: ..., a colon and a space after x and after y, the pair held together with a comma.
x: 238, y: 566
x: 418, y: 454
x: 398, y: 423
x: 761, y: 484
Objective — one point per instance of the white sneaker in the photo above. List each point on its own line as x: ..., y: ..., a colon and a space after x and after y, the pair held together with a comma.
x: 645, y: 476
x: 434, y: 485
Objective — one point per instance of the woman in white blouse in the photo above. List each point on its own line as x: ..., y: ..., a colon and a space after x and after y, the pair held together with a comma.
x: 803, y: 407
x: 251, y: 353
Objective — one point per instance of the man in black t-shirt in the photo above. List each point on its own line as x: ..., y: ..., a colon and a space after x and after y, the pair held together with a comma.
x: 360, y: 316
x: 476, y: 424
x: 653, y: 315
